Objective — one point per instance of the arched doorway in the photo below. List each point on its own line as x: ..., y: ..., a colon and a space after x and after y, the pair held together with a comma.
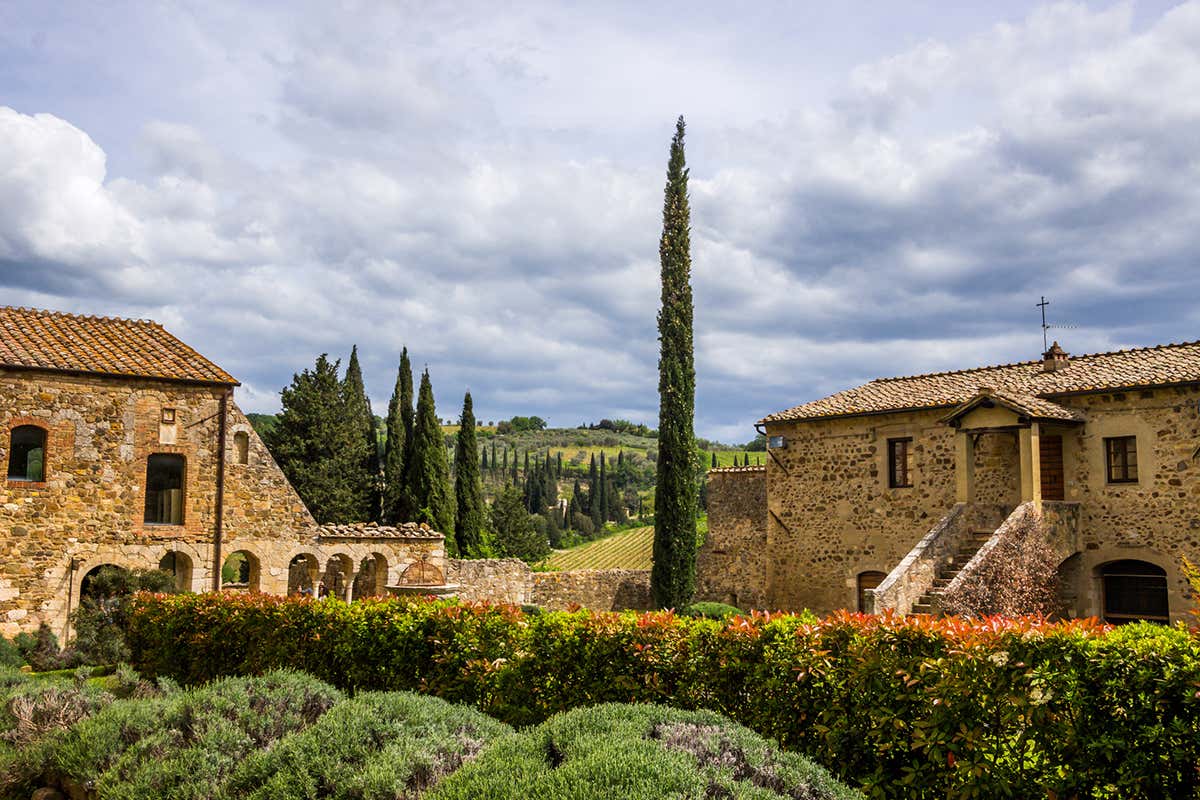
x: 1133, y: 590
x: 240, y: 571
x: 303, y: 574
x: 337, y: 577
x: 866, y: 581
x: 372, y: 577
x: 180, y: 565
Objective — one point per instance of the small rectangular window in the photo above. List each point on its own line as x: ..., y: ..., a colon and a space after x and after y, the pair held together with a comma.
x: 164, y: 489
x: 900, y: 463
x: 777, y: 442
x: 168, y: 416
x: 1120, y: 457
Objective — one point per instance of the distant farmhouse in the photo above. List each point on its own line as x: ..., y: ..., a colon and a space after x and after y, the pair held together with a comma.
x: 893, y: 493
x: 123, y: 446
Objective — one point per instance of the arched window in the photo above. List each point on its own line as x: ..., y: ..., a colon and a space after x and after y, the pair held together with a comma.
x: 164, y: 489
x: 1134, y: 590
x: 303, y: 574
x: 866, y: 581
x: 241, y: 447
x: 27, y: 454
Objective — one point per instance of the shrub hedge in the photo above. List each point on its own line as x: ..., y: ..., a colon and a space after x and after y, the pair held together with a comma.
x: 910, y: 708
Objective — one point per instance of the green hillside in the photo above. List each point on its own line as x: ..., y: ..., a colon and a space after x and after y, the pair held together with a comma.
x: 629, y: 549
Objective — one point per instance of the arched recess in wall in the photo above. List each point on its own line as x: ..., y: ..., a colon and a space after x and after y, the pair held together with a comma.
x: 304, y: 574
x: 89, y: 586
x: 336, y: 579
x: 240, y: 571
x: 241, y: 448
x: 866, y: 581
x: 371, y: 580
x: 180, y: 565
x: 1133, y: 590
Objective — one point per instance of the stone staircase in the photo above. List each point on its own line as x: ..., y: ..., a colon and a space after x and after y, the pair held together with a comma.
x: 930, y: 602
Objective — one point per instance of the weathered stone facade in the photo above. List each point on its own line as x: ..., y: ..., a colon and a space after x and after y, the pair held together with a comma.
x: 510, y: 580
x: 89, y: 509
x: 597, y: 589
x: 731, y: 567
x: 832, y: 515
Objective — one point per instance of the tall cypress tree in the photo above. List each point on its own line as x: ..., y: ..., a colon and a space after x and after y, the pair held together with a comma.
x: 403, y: 510
x: 493, y: 456
x: 595, y: 507
x: 605, y: 507
x: 358, y: 409
x: 427, y: 474
x: 320, y: 447
x: 673, y: 573
x: 468, y: 490
x: 396, y: 446
x: 714, y: 459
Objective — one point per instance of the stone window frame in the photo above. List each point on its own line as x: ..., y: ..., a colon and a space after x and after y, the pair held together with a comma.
x: 34, y: 422
x: 1126, y: 466
x: 894, y: 480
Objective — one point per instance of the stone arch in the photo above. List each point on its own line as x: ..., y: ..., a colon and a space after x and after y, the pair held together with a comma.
x: 241, y: 571
x: 336, y: 580
x: 179, y: 564
x: 1132, y: 590
x: 90, y: 574
x: 371, y: 580
x: 304, y: 574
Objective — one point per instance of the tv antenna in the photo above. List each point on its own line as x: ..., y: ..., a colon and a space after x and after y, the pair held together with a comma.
x: 1045, y: 339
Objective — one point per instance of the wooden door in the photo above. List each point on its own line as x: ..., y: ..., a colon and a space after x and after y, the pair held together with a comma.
x: 1052, y: 468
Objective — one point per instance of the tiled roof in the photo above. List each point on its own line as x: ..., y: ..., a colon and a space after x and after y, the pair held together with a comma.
x: 1024, y: 404
x: 1166, y: 364
x: 752, y: 468
x: 372, y: 530
x: 132, y: 348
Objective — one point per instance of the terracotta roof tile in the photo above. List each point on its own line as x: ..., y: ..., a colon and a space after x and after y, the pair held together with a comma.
x: 371, y: 530
x: 1124, y: 369
x: 136, y: 348
x: 752, y: 468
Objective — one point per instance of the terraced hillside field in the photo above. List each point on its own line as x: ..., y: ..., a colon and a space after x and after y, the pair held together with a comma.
x: 629, y: 549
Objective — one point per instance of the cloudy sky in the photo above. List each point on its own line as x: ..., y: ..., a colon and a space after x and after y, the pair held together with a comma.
x: 877, y: 188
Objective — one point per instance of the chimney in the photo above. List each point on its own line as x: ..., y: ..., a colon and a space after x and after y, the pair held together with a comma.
x: 1055, y: 359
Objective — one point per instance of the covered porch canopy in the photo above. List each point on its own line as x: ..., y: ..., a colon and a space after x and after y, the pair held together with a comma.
x: 993, y: 411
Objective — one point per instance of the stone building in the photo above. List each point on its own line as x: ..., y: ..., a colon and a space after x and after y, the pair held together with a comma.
x: 123, y: 446
x: 892, y: 493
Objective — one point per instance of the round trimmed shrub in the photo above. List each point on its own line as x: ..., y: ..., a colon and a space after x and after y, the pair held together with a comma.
x: 639, y: 752
x: 377, y: 746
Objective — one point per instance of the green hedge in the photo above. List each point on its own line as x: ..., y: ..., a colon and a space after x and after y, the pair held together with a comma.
x: 902, y: 707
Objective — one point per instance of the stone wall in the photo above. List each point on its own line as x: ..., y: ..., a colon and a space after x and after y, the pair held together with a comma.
x: 597, y: 589
x: 831, y: 514
x: 496, y: 580
x: 731, y: 566
x: 509, y: 580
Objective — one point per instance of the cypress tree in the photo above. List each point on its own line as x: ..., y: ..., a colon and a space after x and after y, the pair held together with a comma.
x: 714, y: 460
x: 595, y: 508
x: 605, y: 504
x: 396, y: 446
x: 483, y: 462
x: 358, y: 409
x: 320, y: 447
x: 514, y: 466
x: 403, y: 511
x: 673, y: 573
x: 468, y: 489
x: 493, y: 456
x: 427, y: 478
